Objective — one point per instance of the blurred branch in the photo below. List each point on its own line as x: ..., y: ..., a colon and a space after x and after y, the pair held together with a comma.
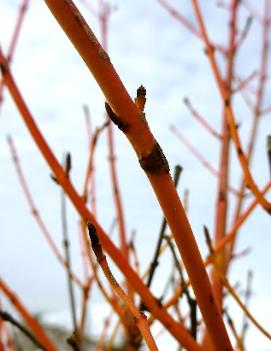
x: 67, y: 167
x: 8, y: 318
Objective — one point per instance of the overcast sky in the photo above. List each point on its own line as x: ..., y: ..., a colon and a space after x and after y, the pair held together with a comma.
x: 147, y: 47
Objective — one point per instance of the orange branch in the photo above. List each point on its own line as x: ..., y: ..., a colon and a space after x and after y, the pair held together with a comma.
x: 14, y: 39
x: 35, y: 211
x: 201, y: 120
x: 229, y: 112
x: 256, y: 108
x: 128, y: 118
x: 226, y: 240
x: 29, y: 320
x: 223, y: 180
x: 104, y: 21
x: 176, y: 330
x: 199, y: 156
x: 140, y: 318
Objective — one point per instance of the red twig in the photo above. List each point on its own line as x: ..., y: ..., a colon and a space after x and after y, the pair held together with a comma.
x: 201, y: 120
x: 35, y: 211
x: 14, y: 39
x: 199, y: 156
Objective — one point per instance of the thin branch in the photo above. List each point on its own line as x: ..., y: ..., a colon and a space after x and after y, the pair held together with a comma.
x: 201, y: 120
x: 227, y: 239
x: 177, y: 15
x: 248, y: 294
x: 256, y: 108
x: 231, y: 290
x: 244, y: 33
x: 199, y: 156
x: 85, y: 41
x: 140, y: 319
x: 155, y: 261
x: 34, y: 210
x: 229, y: 112
x: 242, y: 83
x: 66, y: 243
x: 192, y: 303
x: 234, y: 331
x: 14, y: 39
x: 8, y: 318
x: 36, y: 329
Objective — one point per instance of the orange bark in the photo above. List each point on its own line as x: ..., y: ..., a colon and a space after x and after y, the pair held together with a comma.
x: 176, y: 330
x: 229, y: 112
x: 131, y: 120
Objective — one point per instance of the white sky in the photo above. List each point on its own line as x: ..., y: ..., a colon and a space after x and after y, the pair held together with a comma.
x: 147, y: 47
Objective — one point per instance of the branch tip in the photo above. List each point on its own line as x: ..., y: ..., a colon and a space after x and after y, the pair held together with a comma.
x: 68, y: 163
x: 95, y: 241
x: 186, y: 101
x: 93, y: 233
x: 141, y: 92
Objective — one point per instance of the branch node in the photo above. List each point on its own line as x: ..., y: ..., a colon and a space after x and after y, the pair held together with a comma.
x: 154, y: 162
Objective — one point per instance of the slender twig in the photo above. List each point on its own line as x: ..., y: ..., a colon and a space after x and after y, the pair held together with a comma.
x: 125, y: 316
x: 201, y: 119
x: 251, y: 8
x: 90, y: 164
x: 101, y: 341
x: 200, y: 157
x: 109, y: 345
x: 140, y: 319
x: 104, y: 16
x: 66, y: 243
x: 256, y: 108
x: 169, y: 282
x: 155, y: 260
x: 229, y: 112
x: 90, y: 174
x: 231, y: 289
x: 242, y: 83
x: 243, y: 307
x: 14, y: 39
x: 179, y: 17
x: 84, y: 304
x: 248, y: 294
x: 192, y: 303
x: 75, y: 25
x: 9, y: 318
x: 221, y: 209
x: 35, y: 212
x: 36, y: 329
x: 227, y: 239
x: 234, y: 331
x: 244, y: 33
